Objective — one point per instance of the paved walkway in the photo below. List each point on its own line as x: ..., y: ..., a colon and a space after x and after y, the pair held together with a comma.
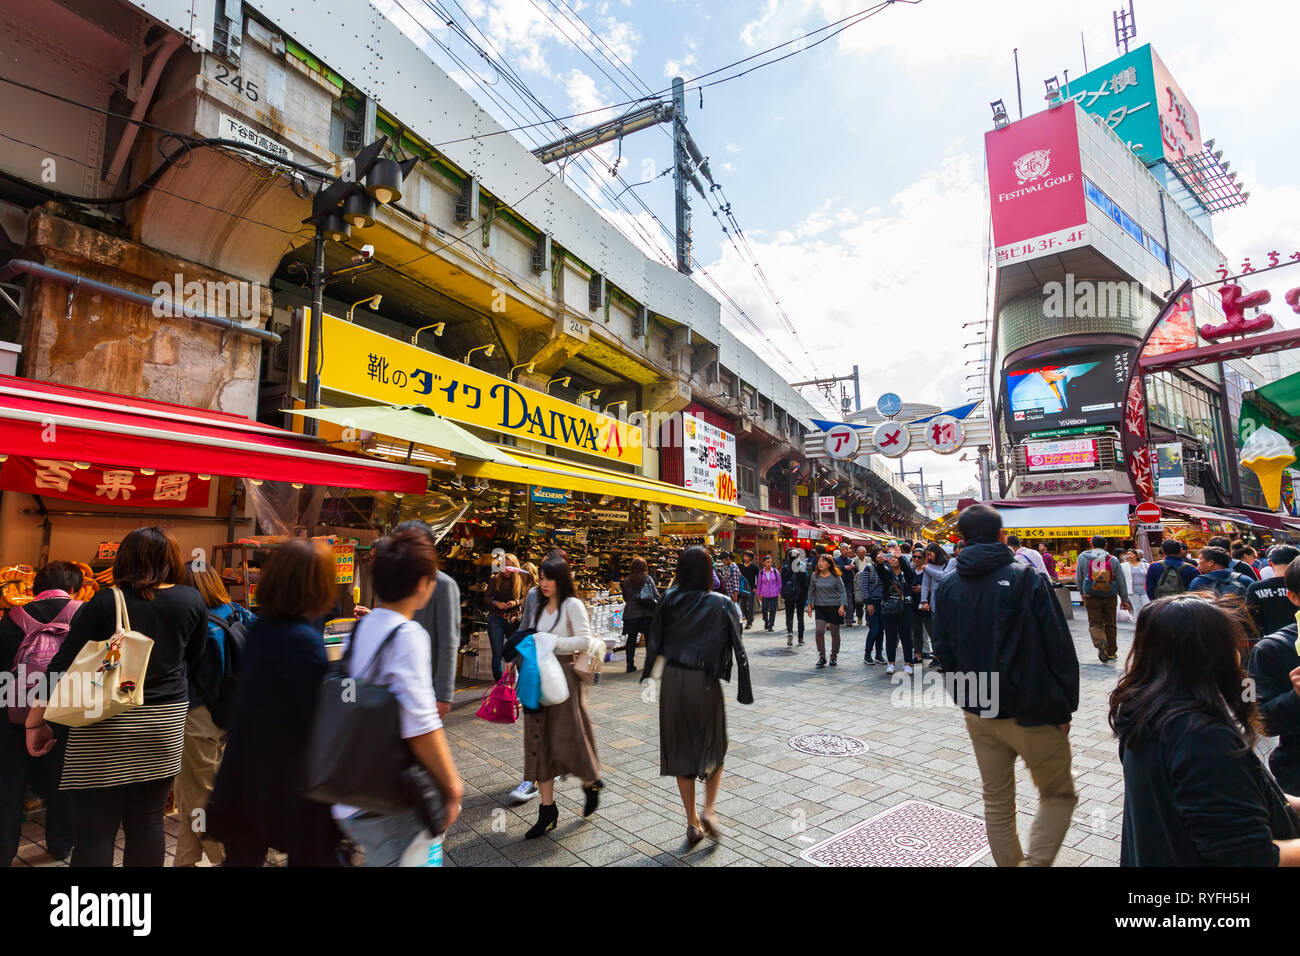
x: 776, y: 801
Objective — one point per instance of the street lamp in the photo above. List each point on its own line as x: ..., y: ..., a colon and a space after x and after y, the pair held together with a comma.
x: 527, y: 365
x: 438, y: 329
x: 487, y: 351
x: 331, y: 214
x: 374, y: 301
x: 564, y: 383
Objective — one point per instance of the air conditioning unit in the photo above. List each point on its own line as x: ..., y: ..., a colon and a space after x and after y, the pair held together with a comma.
x: 467, y: 202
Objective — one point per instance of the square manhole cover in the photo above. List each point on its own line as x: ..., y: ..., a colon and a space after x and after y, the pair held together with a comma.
x: 826, y: 743
x: 910, y: 834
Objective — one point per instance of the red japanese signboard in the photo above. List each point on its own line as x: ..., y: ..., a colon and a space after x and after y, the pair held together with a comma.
x: 120, y: 487
x: 1036, y: 186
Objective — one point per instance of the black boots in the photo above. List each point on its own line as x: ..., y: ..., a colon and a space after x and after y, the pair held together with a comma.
x: 593, y: 798
x: 547, y: 817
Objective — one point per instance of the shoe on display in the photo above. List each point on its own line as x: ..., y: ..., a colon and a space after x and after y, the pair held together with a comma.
x: 890, y: 668
x: 526, y: 790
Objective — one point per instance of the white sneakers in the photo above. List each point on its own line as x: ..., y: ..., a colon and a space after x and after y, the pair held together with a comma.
x: 524, y: 792
x: 907, y: 668
x: 890, y: 668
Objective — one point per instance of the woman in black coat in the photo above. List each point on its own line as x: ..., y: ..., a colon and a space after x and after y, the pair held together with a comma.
x: 1195, y: 793
x: 695, y: 634
x: 257, y: 801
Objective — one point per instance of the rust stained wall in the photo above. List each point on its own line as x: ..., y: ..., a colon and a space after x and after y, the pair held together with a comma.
x: 117, y: 346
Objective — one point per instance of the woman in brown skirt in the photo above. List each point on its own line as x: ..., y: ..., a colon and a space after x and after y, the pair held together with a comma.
x: 559, y: 740
x: 694, y: 636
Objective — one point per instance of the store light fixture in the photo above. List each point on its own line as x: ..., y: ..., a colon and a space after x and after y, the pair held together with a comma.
x: 297, y: 485
x: 563, y: 382
x: 594, y: 393
x: 612, y: 404
x: 529, y: 366
x: 487, y: 351
x: 82, y: 465
x: 146, y: 471
x: 374, y: 301
x: 255, y: 481
x: 205, y: 477
x: 3, y: 458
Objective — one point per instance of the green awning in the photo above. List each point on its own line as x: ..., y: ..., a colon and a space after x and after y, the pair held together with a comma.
x: 1277, y: 404
x: 413, y: 424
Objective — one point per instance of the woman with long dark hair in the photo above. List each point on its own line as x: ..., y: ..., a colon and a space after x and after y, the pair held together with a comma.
x: 120, y: 770
x: 1195, y: 793
x: 826, y: 602
x: 559, y: 739
x: 640, y: 599
x: 696, y: 634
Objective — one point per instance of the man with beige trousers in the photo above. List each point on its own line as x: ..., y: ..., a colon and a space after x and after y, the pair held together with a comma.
x: 1009, y: 662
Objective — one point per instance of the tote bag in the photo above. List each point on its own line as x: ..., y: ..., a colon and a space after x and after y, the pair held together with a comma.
x: 106, y: 678
x: 554, y: 688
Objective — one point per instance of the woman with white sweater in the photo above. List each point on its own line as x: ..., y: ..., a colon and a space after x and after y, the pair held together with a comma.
x: 559, y: 739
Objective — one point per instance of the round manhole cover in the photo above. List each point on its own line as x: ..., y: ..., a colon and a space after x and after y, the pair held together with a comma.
x: 828, y: 744
x: 779, y: 652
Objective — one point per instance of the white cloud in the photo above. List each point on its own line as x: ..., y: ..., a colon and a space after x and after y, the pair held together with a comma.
x: 886, y: 289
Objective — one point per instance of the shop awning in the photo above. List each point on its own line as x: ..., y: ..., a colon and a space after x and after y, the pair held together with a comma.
x: 760, y: 519
x: 853, y: 534
x: 46, y: 422
x: 556, y: 473
x: 1067, y: 521
x: 417, y: 424
x: 1203, y: 512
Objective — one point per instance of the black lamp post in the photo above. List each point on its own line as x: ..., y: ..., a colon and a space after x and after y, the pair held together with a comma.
x: 347, y: 201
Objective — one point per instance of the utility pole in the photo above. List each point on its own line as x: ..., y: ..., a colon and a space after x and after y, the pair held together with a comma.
x: 857, y: 390
x: 680, y: 200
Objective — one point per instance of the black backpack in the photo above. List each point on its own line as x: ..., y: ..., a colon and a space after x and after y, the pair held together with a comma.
x: 222, y: 707
x: 1235, y: 584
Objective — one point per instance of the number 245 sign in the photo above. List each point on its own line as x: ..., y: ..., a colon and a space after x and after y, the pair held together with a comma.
x: 842, y: 442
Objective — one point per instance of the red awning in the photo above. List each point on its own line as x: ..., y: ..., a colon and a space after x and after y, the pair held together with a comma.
x: 761, y: 519
x: 42, y: 421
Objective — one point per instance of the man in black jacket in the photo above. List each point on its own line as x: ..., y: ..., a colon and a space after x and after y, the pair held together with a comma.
x: 794, y: 592
x: 1009, y: 662
x: 1273, y: 662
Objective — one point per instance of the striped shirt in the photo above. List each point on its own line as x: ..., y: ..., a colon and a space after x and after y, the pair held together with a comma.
x: 142, y: 744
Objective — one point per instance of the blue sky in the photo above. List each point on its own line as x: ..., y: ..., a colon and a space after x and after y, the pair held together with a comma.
x: 856, y: 167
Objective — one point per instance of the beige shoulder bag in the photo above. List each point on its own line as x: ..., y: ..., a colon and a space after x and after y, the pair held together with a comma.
x: 106, y: 678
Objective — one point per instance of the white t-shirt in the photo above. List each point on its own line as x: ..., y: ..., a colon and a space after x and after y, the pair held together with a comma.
x: 406, y: 669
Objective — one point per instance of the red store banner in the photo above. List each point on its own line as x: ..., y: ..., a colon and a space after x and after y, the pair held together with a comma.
x: 1036, y: 185
x: 103, y: 484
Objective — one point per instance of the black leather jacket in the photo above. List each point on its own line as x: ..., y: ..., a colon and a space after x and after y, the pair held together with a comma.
x: 699, y: 630
x: 641, y: 603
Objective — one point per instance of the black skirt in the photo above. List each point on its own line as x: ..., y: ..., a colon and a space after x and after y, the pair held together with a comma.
x: 692, y: 723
